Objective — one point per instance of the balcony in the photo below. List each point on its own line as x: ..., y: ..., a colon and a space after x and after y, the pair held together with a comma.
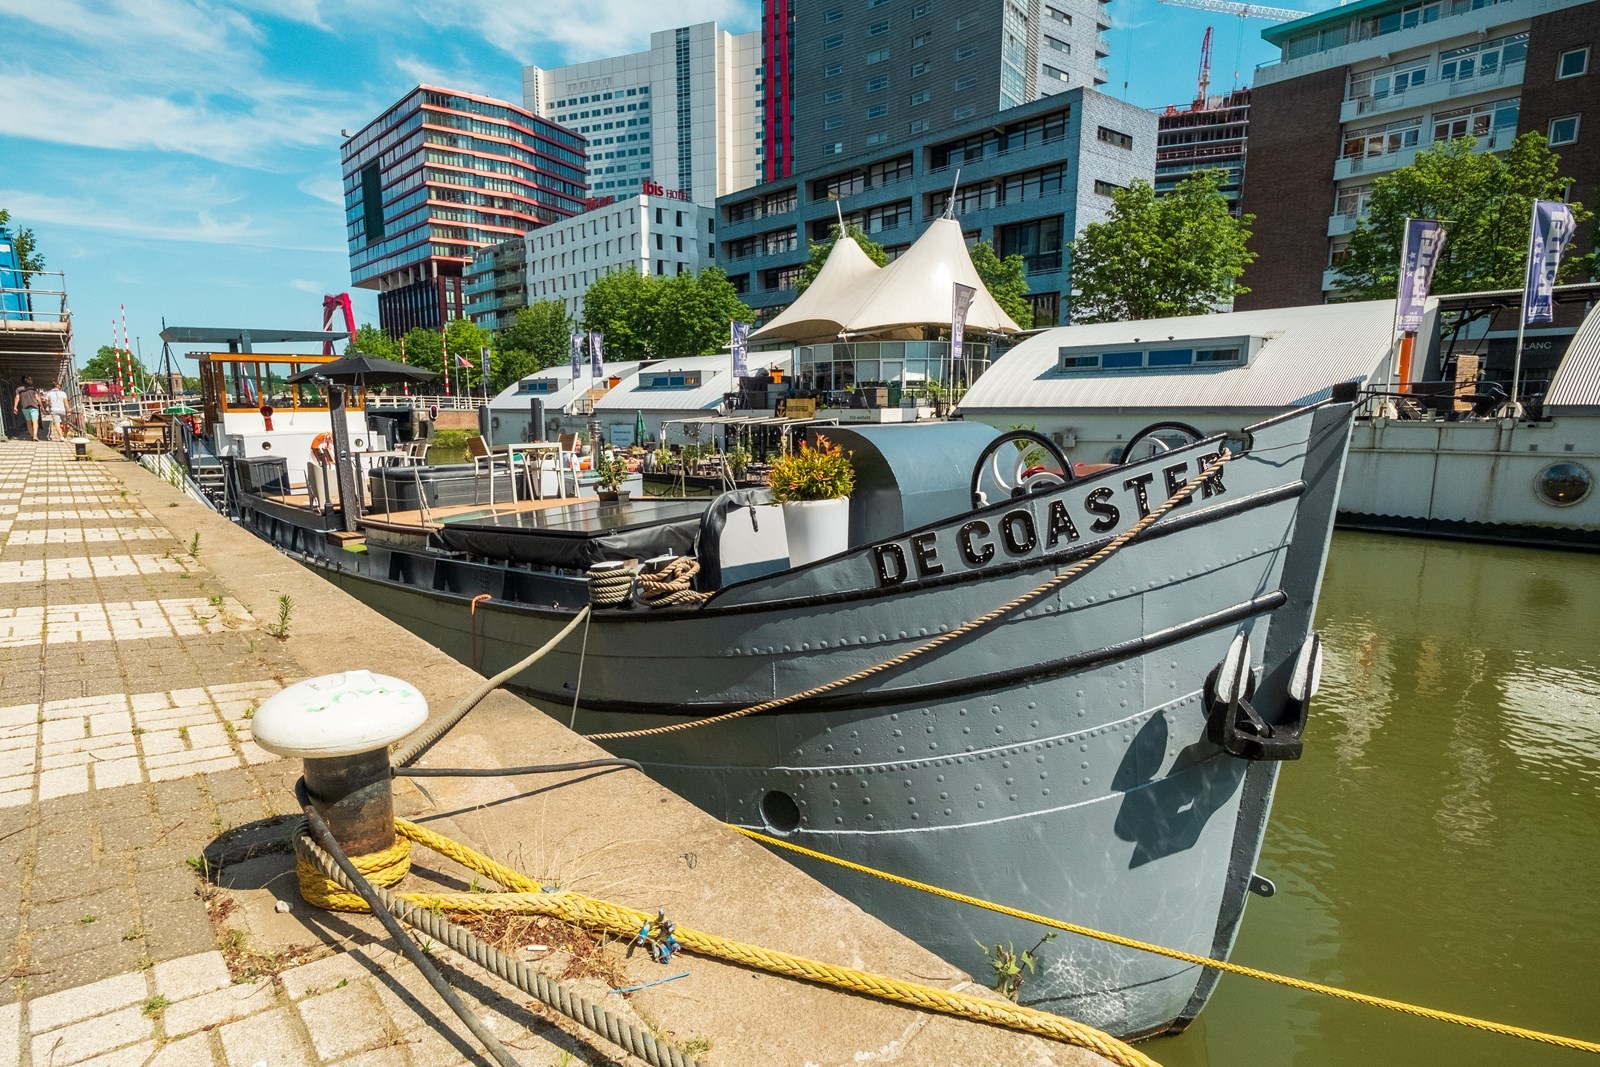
x: 1330, y: 280
x: 1432, y: 93
x: 1102, y: 46
x: 1339, y: 225
x: 1350, y: 166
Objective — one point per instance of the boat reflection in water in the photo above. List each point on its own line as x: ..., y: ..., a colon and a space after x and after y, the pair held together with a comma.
x: 1439, y: 841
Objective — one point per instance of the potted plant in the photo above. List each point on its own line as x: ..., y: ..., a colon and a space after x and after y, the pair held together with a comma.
x: 813, y: 487
x: 611, y: 470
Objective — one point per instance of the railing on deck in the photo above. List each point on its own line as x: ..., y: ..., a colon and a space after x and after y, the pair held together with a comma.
x: 424, y: 401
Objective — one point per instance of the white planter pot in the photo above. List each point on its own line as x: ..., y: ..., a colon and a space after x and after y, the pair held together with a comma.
x: 816, y: 528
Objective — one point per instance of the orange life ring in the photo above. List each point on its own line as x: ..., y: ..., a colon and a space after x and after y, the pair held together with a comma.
x: 322, y: 447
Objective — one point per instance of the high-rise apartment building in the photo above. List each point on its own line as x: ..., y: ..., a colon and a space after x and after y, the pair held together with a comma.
x: 439, y: 175
x: 683, y: 116
x: 863, y: 75
x: 1361, y: 89
x: 1029, y: 182
x: 1208, y: 134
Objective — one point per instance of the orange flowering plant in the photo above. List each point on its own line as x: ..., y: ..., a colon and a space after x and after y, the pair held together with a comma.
x: 820, y: 473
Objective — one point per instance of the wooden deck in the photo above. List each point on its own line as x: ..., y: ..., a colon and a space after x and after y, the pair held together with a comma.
x: 434, y: 518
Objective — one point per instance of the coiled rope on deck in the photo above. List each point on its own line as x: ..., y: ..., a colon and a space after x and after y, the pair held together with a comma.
x: 671, y: 582
x: 1178, y: 954
x: 1182, y: 494
x: 323, y: 885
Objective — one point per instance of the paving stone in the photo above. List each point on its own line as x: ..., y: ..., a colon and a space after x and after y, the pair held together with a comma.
x: 192, y: 1051
x: 346, y: 1020
x: 80, y: 968
x: 190, y: 976
x: 61, y: 854
x: 88, y: 882
x: 394, y: 1055
x: 60, y: 1009
x: 266, y: 1040
x: 101, y: 905
x: 177, y: 929
x: 92, y: 1038
x: 209, y: 1010
x: 319, y: 976
x: 73, y: 937
x: 10, y: 1034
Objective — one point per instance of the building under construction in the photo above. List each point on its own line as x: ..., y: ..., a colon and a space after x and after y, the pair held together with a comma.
x: 1208, y: 134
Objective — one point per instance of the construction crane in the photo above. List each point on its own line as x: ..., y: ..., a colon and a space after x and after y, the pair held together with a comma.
x: 1205, y: 71
x: 1244, y: 11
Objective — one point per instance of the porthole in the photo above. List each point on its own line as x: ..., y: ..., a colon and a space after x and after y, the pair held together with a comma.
x: 1563, y: 484
x: 266, y: 446
x: 780, y: 812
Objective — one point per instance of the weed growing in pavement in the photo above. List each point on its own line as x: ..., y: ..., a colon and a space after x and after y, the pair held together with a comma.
x: 280, y: 629
x: 155, y: 1006
x: 183, y: 733
x: 87, y: 919
x: 1009, y: 964
x: 133, y: 934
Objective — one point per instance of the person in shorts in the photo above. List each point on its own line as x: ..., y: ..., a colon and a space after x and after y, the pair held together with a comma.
x: 26, y: 401
x: 55, y: 399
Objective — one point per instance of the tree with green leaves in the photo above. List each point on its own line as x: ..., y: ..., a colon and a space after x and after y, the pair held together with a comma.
x: 538, y: 336
x: 821, y: 249
x: 1485, y: 200
x: 645, y: 317
x: 621, y: 304
x: 692, y: 314
x: 102, y: 366
x: 1007, y: 281
x: 371, y: 341
x: 1155, y: 257
x: 29, y: 258
x: 423, y: 348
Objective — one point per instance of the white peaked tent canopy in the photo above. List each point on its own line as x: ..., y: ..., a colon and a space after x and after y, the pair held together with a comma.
x: 815, y: 314
x: 915, y: 290
x: 910, y: 294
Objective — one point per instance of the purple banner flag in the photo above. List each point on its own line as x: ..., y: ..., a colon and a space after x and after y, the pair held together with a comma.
x: 597, y: 354
x: 962, y: 297
x: 1424, y: 244
x: 1552, y: 229
x: 741, y: 349
x: 577, y: 356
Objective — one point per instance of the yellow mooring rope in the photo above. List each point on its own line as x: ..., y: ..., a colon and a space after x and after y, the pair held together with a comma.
x: 1186, y: 957
x: 525, y: 897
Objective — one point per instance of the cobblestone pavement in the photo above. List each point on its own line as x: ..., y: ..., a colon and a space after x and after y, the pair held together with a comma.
x: 128, y: 678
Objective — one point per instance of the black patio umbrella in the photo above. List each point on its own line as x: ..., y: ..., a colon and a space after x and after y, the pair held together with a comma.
x: 361, y: 370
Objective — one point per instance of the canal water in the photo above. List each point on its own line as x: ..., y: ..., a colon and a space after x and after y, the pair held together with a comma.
x: 1439, y: 842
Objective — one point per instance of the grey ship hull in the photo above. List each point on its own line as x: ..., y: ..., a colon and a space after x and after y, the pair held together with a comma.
x: 1056, y: 761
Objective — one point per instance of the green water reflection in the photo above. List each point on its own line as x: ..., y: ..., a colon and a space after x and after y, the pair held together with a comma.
x: 1440, y: 841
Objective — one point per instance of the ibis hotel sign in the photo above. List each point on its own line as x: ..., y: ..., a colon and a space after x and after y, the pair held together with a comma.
x: 651, y: 187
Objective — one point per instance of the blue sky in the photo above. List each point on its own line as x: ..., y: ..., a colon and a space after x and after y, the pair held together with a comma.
x: 181, y: 157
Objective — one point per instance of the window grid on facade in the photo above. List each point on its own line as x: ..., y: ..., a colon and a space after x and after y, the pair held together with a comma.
x: 1564, y: 130
x: 1573, y: 63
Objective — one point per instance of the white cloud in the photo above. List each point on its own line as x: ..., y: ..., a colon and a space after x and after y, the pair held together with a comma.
x: 584, y: 29
x: 325, y: 186
x: 306, y: 286
x: 156, y: 218
x: 67, y: 109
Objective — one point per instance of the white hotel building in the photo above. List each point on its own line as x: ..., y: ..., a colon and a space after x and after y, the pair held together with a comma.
x: 649, y: 234
x: 686, y: 114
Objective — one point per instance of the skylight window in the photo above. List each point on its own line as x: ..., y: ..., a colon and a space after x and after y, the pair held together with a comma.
x: 1169, y: 355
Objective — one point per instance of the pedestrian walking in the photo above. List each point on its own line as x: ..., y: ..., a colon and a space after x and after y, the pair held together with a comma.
x: 55, y: 399
x: 26, y: 401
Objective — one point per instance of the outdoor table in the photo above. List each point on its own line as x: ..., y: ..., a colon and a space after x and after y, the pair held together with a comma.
x: 530, y: 457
